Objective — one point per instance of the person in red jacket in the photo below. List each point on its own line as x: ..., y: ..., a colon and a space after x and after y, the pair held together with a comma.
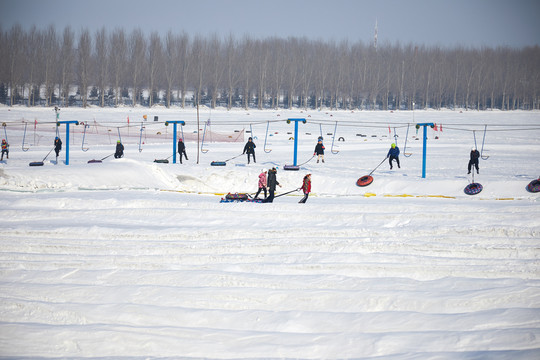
x: 306, y: 188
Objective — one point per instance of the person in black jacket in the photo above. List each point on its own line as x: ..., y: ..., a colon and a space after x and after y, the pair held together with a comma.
x: 271, y: 184
x: 57, y: 146
x: 119, y: 150
x: 319, y: 150
x: 475, y: 155
x: 250, y: 149
x: 181, y: 149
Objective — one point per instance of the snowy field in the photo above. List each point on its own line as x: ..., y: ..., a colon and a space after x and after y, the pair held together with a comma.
x: 132, y: 259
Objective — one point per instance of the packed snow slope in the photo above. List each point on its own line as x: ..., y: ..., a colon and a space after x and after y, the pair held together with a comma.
x: 135, y: 259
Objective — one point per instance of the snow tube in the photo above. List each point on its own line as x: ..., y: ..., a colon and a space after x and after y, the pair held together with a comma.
x: 218, y: 163
x: 291, y: 167
x: 162, y: 161
x: 364, y: 180
x: 236, y: 196
x: 36, y: 163
x: 534, y: 186
x: 94, y: 161
x: 473, y: 189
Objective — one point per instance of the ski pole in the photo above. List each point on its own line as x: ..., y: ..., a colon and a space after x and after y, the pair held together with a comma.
x: 377, y: 166
x: 288, y: 192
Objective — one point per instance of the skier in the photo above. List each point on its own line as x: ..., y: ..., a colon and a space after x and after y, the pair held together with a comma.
x: 319, y: 150
x: 57, y: 146
x: 119, y: 150
x: 5, y: 149
x: 306, y: 188
x: 262, y: 184
x: 393, y: 154
x: 272, y: 182
x: 475, y: 155
x: 181, y: 149
x: 249, y: 148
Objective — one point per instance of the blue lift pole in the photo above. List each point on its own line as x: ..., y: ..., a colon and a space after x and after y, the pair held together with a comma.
x: 175, y: 123
x: 425, y: 125
x: 295, y: 160
x: 67, y: 135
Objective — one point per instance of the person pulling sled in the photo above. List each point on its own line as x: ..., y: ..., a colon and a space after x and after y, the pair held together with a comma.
x: 306, y: 188
x: 57, y: 147
x: 119, y: 150
x: 181, y: 149
x: 319, y: 150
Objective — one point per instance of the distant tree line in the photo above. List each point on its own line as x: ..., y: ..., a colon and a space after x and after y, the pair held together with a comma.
x: 108, y: 68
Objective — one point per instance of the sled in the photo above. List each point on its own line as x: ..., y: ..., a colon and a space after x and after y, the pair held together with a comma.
x: 473, y: 188
x: 534, y: 186
x: 94, y: 161
x: 161, y: 161
x: 36, y: 163
x: 218, y: 163
x: 364, y: 180
x: 291, y: 167
x: 239, y: 197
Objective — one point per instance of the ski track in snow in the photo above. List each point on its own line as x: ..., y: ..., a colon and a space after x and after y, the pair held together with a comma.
x: 125, y: 260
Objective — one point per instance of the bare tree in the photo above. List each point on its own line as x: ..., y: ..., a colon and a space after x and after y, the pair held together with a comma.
x: 155, y: 59
x: 246, y: 64
x: 137, y: 52
x: 50, y: 47
x: 199, y: 50
x: 14, y: 56
x: 66, y: 64
x: 231, y: 69
x: 215, y: 68
x: 118, y: 59
x: 171, y: 63
x: 261, y: 52
x: 85, y: 53
x: 102, y: 63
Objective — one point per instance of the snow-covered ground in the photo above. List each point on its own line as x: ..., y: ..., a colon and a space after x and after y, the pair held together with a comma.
x: 135, y: 259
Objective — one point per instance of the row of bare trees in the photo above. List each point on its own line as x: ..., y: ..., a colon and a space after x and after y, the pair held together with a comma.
x: 43, y: 66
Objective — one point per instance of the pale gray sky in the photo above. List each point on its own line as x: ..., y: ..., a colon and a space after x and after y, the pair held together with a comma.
x: 446, y: 23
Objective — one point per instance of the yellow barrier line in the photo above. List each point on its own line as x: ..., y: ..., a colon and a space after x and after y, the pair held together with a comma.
x: 365, y: 195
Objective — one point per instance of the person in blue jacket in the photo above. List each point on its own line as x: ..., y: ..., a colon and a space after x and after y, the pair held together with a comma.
x: 393, y: 154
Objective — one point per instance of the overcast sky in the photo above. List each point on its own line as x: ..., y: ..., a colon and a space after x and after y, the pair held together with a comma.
x: 445, y: 23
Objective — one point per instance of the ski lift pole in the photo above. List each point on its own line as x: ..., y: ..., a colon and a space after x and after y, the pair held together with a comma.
x: 333, y: 138
x: 83, y: 137
x: 405, y: 146
x: 67, y: 135
x: 265, y: 138
x: 204, y: 151
x: 175, y: 123
x: 24, y: 137
x: 295, y: 157
x: 483, y: 140
x: 425, y: 125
